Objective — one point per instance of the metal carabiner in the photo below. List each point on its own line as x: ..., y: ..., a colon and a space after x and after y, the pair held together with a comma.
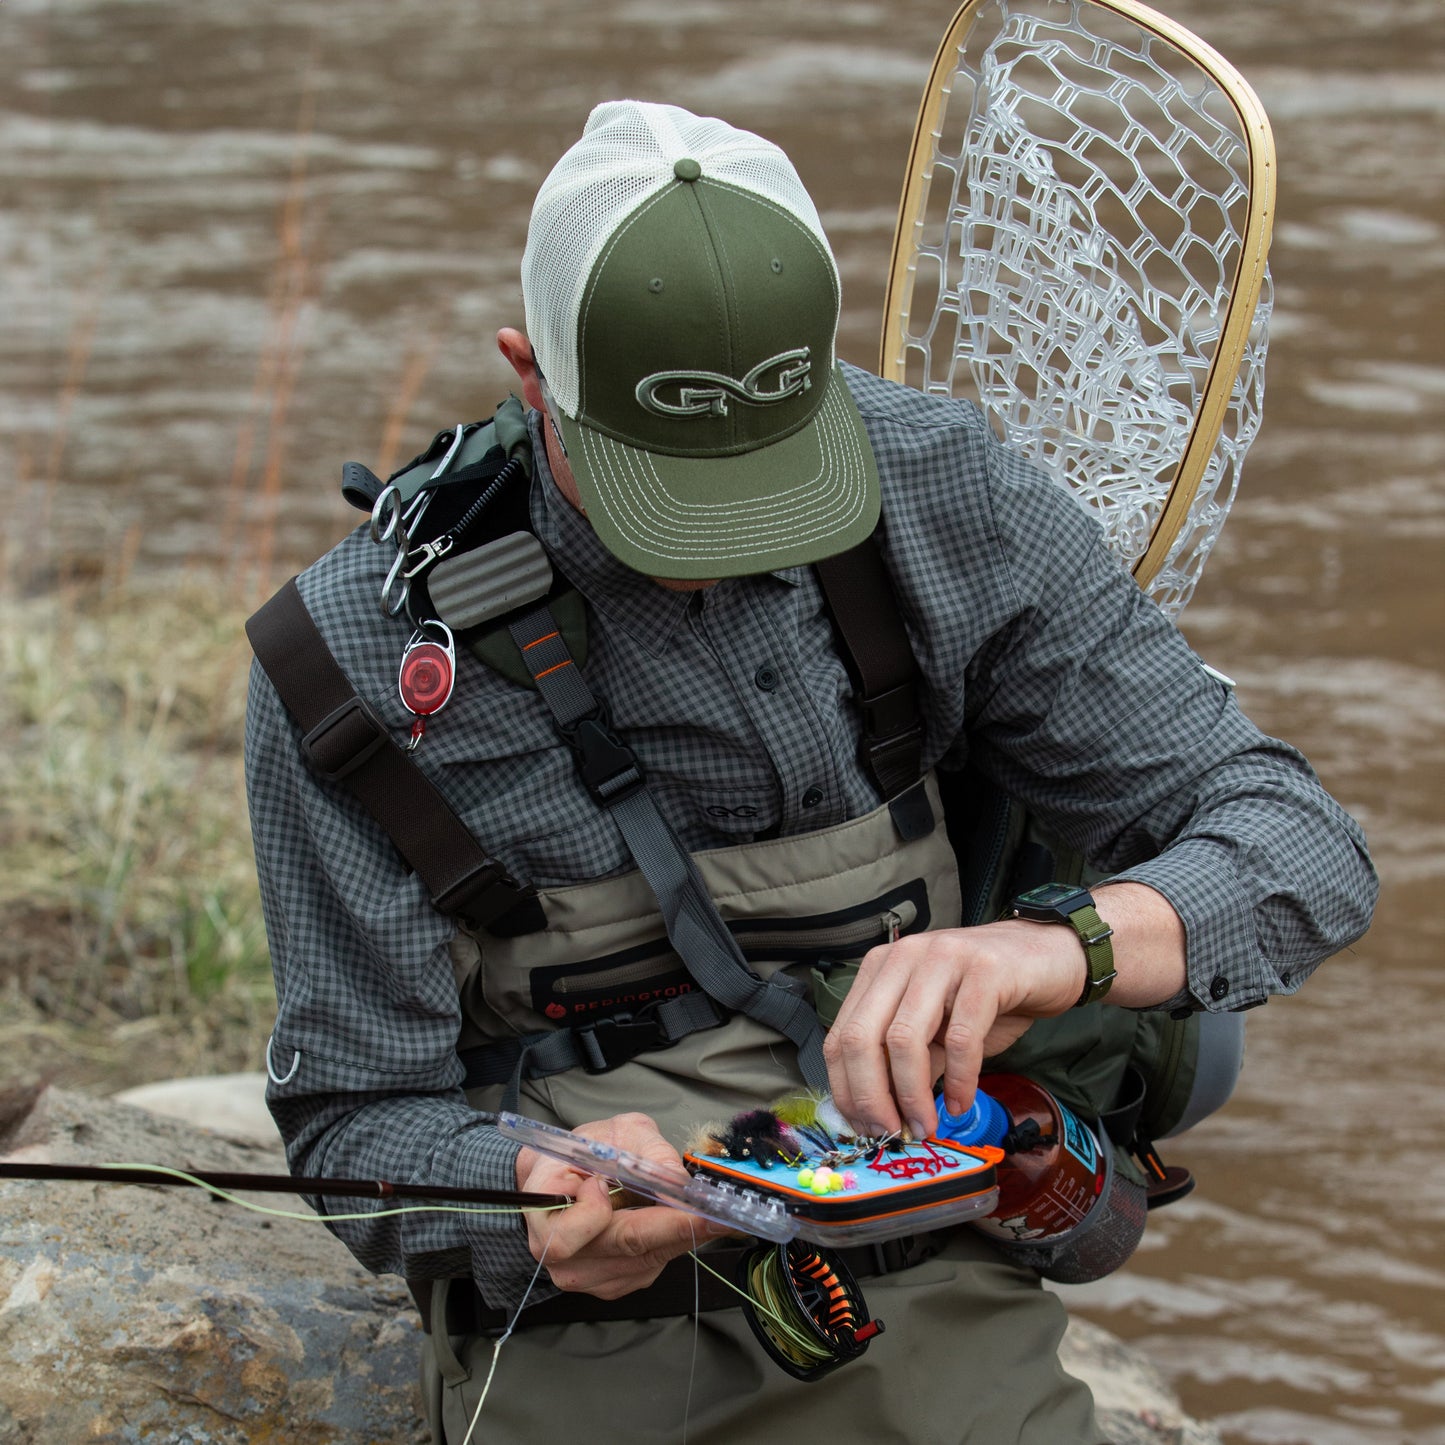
x: 420, y: 558
x: 399, y: 526
x: 396, y: 590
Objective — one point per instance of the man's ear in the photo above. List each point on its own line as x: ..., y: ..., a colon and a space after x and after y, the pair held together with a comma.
x: 518, y: 351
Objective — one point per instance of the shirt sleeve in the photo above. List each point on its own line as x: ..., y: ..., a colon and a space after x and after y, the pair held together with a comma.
x: 364, y: 1078
x: 1089, y: 707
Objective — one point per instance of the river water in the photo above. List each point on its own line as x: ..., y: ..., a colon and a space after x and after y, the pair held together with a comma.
x: 243, y: 242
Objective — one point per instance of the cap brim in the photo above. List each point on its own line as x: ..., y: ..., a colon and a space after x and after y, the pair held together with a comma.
x: 809, y: 496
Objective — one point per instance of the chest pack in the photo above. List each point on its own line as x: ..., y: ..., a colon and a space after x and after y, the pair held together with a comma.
x: 458, y: 516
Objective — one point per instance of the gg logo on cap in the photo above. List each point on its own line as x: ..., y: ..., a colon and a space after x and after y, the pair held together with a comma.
x: 703, y: 392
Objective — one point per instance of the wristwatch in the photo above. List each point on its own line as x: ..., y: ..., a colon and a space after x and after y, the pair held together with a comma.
x: 1067, y: 903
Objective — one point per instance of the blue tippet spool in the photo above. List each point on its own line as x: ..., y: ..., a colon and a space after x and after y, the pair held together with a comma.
x: 985, y: 1122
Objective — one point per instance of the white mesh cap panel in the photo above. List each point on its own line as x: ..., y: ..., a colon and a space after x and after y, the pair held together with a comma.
x: 626, y: 154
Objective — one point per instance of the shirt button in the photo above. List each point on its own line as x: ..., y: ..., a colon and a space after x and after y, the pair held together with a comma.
x: 1218, y: 987
x: 766, y: 678
x: 812, y: 797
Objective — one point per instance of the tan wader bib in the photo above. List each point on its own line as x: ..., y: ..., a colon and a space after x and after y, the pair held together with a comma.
x: 971, y: 1347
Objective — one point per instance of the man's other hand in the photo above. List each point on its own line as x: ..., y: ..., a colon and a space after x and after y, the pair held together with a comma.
x: 591, y: 1247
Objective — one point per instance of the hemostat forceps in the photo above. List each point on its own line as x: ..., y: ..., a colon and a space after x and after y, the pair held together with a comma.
x: 391, y: 521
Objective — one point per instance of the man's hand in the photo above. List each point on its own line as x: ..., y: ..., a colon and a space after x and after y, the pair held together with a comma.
x: 941, y: 1003
x: 592, y: 1248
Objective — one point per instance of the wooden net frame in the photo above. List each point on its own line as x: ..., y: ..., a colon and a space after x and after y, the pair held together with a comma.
x: 1081, y: 248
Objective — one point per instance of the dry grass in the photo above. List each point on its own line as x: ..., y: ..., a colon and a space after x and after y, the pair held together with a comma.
x: 131, y: 942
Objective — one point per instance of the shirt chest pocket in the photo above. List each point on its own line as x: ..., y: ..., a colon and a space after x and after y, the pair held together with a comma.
x: 732, y: 812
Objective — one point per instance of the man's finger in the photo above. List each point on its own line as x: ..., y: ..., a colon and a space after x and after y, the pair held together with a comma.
x: 917, y: 1022
x: 854, y: 1050
x: 656, y: 1229
x: 572, y: 1229
x: 975, y: 1007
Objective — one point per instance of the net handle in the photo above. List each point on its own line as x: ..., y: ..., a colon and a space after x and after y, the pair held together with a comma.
x: 1249, y: 268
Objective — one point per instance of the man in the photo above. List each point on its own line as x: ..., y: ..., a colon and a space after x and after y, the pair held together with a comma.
x: 695, y: 448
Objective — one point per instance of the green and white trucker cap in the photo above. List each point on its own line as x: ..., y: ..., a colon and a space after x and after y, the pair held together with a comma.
x: 682, y: 301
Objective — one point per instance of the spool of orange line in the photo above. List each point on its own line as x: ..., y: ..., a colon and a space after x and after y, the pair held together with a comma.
x: 805, y: 1308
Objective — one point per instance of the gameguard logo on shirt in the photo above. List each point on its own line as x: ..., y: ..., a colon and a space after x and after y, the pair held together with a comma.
x: 705, y: 393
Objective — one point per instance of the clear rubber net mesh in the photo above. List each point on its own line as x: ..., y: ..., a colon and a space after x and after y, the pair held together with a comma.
x: 1078, y: 242
x: 626, y: 154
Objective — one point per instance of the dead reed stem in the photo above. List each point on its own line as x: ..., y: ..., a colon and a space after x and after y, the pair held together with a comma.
x: 414, y: 371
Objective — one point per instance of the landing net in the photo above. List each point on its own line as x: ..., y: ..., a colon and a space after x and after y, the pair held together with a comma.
x: 1081, y: 249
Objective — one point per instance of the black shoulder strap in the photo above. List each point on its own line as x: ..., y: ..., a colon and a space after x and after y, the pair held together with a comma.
x: 347, y: 743
x: 875, y: 648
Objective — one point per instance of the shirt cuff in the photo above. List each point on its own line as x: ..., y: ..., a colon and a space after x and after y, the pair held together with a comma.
x: 502, y: 1262
x: 1226, y: 970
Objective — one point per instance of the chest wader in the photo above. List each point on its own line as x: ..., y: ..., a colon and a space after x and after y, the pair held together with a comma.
x: 558, y: 989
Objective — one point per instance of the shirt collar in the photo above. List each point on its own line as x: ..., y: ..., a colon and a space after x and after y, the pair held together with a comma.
x: 647, y: 612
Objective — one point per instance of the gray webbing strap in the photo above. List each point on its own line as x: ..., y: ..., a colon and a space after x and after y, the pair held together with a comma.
x: 596, y: 1047
x: 614, y: 777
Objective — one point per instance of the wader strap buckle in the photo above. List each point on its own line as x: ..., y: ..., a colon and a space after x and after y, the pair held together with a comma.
x: 485, y: 896
x: 893, y: 736
x: 617, y: 1039
x: 344, y: 739
x: 611, y: 1042
x: 609, y: 769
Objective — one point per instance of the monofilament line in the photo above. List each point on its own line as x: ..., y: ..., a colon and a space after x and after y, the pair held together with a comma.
x: 507, y: 1334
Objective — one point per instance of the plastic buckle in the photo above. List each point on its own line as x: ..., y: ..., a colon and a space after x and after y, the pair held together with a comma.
x: 608, y: 767
x: 344, y: 739
x: 892, y: 714
x: 483, y: 896
x: 611, y: 1042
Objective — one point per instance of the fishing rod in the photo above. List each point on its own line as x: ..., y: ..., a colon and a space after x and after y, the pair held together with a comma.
x: 281, y: 1184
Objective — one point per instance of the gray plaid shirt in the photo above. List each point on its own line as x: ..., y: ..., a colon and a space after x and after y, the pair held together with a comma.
x: 1045, y: 666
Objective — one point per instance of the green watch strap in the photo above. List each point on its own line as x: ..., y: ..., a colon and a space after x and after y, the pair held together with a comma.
x: 1095, y: 935
x: 1071, y: 904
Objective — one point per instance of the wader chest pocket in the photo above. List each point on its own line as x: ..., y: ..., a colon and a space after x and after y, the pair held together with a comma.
x: 624, y: 983
x: 629, y: 981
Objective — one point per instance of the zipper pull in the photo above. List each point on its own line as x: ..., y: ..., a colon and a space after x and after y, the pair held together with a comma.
x: 893, y: 925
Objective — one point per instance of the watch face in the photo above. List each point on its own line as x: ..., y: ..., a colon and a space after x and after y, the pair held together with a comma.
x: 1050, y: 895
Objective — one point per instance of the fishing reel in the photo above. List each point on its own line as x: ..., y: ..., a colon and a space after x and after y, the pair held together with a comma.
x: 805, y: 1307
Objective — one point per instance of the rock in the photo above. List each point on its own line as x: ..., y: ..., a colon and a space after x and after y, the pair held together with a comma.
x: 156, y: 1316
x: 229, y: 1104
x: 1134, y: 1402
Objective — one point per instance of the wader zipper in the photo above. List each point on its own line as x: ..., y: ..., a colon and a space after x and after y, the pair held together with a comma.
x: 614, y: 977
x: 861, y: 933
